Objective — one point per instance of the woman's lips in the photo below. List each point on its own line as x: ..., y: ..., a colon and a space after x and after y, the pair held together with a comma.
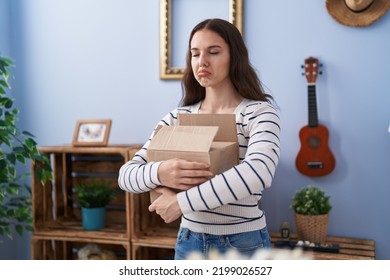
x: 203, y: 73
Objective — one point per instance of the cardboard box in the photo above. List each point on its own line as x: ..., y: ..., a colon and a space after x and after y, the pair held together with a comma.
x: 209, y: 138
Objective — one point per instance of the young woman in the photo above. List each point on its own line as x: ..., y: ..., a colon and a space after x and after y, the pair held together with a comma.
x: 218, y: 212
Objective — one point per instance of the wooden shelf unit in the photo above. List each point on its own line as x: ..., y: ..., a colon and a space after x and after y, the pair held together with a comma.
x: 58, y: 232
x: 151, y: 235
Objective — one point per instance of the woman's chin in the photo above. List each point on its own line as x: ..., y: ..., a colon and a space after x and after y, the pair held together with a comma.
x: 204, y: 82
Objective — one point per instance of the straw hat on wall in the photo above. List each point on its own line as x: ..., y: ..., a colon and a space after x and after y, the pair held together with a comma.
x: 357, y: 13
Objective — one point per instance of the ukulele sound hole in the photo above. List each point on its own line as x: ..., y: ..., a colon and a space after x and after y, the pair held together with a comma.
x: 314, y: 142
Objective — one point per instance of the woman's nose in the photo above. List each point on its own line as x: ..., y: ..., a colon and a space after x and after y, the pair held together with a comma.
x: 203, y: 60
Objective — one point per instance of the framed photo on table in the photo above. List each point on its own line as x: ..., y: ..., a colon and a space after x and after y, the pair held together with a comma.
x: 92, y: 133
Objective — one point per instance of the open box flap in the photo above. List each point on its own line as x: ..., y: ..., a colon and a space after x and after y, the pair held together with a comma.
x: 184, y: 138
x: 226, y: 122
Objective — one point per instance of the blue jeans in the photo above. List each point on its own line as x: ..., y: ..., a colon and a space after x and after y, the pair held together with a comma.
x: 246, y: 243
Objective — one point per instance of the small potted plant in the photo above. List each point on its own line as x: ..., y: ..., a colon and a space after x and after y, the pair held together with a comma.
x: 311, y: 206
x: 93, y: 196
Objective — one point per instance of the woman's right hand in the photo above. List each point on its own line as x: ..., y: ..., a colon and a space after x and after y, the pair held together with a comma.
x: 183, y: 174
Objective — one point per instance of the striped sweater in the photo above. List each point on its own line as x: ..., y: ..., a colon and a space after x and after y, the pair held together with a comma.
x: 229, y: 202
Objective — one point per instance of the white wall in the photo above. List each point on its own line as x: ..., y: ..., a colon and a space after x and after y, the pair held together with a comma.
x: 100, y: 59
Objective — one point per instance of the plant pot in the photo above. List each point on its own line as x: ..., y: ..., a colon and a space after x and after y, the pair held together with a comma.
x: 312, y: 228
x: 93, y: 218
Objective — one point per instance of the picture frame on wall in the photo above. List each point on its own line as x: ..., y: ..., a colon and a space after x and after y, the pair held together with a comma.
x: 91, y: 133
x: 171, y: 22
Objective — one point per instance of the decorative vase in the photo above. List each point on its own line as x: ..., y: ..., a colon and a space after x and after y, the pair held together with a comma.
x: 312, y: 228
x: 93, y: 218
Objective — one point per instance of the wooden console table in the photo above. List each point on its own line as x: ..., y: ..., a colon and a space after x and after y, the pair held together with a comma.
x: 350, y: 248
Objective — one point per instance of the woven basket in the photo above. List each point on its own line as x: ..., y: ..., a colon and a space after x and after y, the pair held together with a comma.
x: 312, y: 228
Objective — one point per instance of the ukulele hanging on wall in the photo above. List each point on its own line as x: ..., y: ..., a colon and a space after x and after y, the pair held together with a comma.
x: 314, y: 158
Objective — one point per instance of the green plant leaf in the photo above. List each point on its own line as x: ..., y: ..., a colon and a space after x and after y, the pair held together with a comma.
x: 29, y: 228
x: 3, y: 164
x: 19, y: 229
x: 6, y: 61
x: 11, y: 158
x: 18, y: 150
x: 94, y: 193
x: 4, y: 83
x: 13, y: 190
x: 311, y: 201
x: 16, y: 147
x: 8, y: 232
x: 31, y: 144
x: 8, y: 104
x: 28, y: 134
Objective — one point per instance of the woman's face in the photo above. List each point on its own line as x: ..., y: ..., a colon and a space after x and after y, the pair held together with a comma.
x: 210, y: 58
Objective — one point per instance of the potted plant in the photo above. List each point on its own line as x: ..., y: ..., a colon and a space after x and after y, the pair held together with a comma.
x: 311, y: 207
x: 17, y: 148
x: 93, y: 196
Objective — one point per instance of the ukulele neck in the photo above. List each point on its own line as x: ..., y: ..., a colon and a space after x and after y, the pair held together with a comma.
x: 313, y: 114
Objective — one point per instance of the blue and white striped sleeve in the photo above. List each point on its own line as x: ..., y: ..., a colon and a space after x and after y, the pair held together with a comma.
x: 138, y: 175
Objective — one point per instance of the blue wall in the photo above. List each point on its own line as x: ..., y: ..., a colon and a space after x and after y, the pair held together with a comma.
x: 15, y: 249
x: 100, y: 59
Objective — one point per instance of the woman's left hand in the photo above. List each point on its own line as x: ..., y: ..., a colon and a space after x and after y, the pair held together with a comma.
x: 166, y: 205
